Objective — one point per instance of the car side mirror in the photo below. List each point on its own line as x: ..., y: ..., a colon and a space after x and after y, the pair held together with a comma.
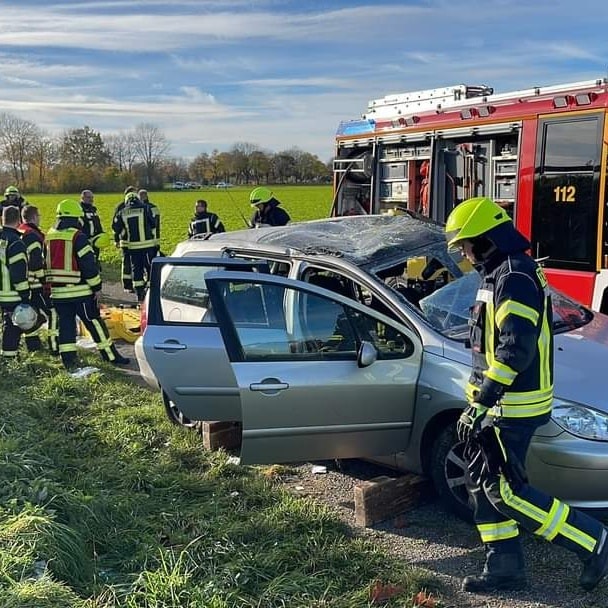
x: 367, y: 354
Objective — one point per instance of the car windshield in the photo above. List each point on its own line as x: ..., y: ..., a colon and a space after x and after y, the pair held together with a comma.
x: 447, y: 309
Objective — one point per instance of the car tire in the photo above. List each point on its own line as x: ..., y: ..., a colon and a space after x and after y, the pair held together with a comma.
x: 176, y: 416
x: 446, y: 469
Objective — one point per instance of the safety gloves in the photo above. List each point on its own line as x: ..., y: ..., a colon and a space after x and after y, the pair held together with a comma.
x: 469, y: 423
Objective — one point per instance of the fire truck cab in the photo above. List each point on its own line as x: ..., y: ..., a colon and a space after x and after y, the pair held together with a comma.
x: 540, y: 153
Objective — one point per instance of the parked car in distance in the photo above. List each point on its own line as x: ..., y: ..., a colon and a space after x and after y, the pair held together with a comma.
x: 223, y: 185
x: 178, y: 186
x: 348, y: 337
x: 192, y: 185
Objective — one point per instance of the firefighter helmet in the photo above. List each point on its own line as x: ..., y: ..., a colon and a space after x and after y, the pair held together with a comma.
x: 131, y: 197
x: 102, y: 240
x: 69, y: 207
x: 472, y: 218
x: 24, y: 317
x: 11, y: 190
x: 260, y: 195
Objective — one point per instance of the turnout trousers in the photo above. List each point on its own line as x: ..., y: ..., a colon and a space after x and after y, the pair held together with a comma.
x: 87, y: 311
x: 141, y: 260
x: 502, y: 505
x: 11, y: 334
x: 42, y: 303
x: 126, y: 272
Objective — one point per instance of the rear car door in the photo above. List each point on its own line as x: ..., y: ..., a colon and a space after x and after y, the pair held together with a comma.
x: 182, y: 341
x: 304, y: 392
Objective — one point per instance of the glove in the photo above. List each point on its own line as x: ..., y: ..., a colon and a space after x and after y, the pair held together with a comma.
x: 470, y: 420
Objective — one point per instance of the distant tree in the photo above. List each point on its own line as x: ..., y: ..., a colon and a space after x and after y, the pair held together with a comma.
x: 84, y: 148
x: 122, y: 151
x: 284, y: 167
x: 151, y: 147
x: 44, y: 155
x: 17, y: 138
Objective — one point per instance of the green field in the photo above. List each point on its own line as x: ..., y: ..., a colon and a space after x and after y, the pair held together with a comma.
x: 177, y: 208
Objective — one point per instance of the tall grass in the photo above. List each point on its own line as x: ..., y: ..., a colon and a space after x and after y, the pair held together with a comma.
x: 104, y: 504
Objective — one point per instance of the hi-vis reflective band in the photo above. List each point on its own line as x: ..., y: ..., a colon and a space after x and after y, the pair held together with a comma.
x: 501, y: 531
x: 551, y: 523
x: 511, y: 307
x: 9, y: 293
x: 517, y: 405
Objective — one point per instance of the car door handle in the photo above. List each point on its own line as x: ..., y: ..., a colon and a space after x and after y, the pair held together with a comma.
x: 170, y: 346
x: 270, y: 385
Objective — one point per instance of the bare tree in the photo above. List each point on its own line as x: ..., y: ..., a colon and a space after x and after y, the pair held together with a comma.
x: 17, y: 137
x: 44, y: 156
x: 121, y: 147
x: 151, y: 147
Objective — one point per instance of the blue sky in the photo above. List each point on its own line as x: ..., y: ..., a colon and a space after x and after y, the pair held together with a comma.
x: 275, y: 73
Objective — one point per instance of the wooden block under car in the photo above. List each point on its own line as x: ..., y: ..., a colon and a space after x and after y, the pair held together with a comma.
x: 221, y: 434
x: 384, y: 497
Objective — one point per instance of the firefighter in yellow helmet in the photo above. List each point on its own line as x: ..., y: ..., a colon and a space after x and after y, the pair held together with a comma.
x: 510, y: 394
x: 12, y: 198
x: 267, y: 210
x: 75, y: 282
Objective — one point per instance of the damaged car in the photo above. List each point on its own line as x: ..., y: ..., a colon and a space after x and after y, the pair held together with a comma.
x: 348, y: 338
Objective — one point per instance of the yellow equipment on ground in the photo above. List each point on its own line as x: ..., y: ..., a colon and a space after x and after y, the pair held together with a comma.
x: 122, y: 323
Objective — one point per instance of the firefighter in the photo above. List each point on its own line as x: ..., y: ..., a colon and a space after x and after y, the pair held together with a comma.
x: 12, y: 198
x: 135, y: 225
x: 204, y: 222
x: 267, y: 210
x: 143, y: 197
x: 14, y: 286
x: 91, y: 224
x: 510, y: 394
x: 73, y: 275
x: 33, y: 239
x: 126, y: 275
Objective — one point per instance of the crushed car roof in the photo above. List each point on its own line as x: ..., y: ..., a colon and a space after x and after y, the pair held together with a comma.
x: 372, y: 241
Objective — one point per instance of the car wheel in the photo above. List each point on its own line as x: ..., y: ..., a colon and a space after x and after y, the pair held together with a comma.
x: 447, y: 470
x: 176, y: 416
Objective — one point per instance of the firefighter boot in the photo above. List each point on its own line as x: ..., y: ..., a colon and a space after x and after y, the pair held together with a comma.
x: 596, y: 567
x: 502, y: 572
x: 118, y: 358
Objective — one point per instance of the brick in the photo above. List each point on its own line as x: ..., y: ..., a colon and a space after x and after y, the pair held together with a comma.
x: 386, y: 497
x: 221, y: 434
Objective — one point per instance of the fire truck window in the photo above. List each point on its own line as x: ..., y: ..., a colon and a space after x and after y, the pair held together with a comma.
x: 571, y: 146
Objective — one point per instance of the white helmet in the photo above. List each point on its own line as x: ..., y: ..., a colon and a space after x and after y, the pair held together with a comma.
x: 24, y: 317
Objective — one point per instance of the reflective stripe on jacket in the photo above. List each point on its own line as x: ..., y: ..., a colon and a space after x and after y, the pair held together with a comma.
x: 135, y: 226
x: 33, y: 239
x: 512, y: 339
x: 14, y: 286
x: 71, y: 266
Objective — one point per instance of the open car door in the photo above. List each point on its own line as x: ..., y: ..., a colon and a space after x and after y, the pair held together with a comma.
x: 182, y: 342
x: 319, y: 375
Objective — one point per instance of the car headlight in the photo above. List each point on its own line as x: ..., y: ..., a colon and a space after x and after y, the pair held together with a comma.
x: 581, y: 421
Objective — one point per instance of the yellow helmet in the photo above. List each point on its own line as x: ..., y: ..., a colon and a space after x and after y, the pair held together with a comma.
x: 260, y: 195
x: 102, y: 240
x: 11, y: 190
x: 472, y: 218
x: 68, y: 207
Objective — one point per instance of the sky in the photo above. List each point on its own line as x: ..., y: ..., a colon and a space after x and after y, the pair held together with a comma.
x: 277, y: 74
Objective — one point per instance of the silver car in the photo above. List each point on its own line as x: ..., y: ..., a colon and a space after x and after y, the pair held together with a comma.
x: 348, y: 337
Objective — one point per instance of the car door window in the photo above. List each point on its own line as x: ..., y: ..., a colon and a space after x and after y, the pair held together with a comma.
x: 283, y: 323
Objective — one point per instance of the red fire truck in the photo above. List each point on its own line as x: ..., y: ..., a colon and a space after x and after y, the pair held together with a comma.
x: 540, y: 153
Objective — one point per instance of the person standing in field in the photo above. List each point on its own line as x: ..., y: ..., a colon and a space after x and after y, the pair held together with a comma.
x: 126, y: 273
x: 204, y: 222
x: 267, y: 210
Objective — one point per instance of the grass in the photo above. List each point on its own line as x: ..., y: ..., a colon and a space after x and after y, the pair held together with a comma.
x: 105, y: 504
x: 177, y: 208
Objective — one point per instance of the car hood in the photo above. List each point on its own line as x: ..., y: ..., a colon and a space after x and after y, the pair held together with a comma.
x: 581, y: 364
x: 372, y: 242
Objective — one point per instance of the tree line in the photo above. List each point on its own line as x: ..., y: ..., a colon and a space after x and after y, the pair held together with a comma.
x: 36, y: 161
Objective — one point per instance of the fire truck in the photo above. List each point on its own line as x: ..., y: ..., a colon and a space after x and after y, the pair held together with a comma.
x: 540, y: 153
